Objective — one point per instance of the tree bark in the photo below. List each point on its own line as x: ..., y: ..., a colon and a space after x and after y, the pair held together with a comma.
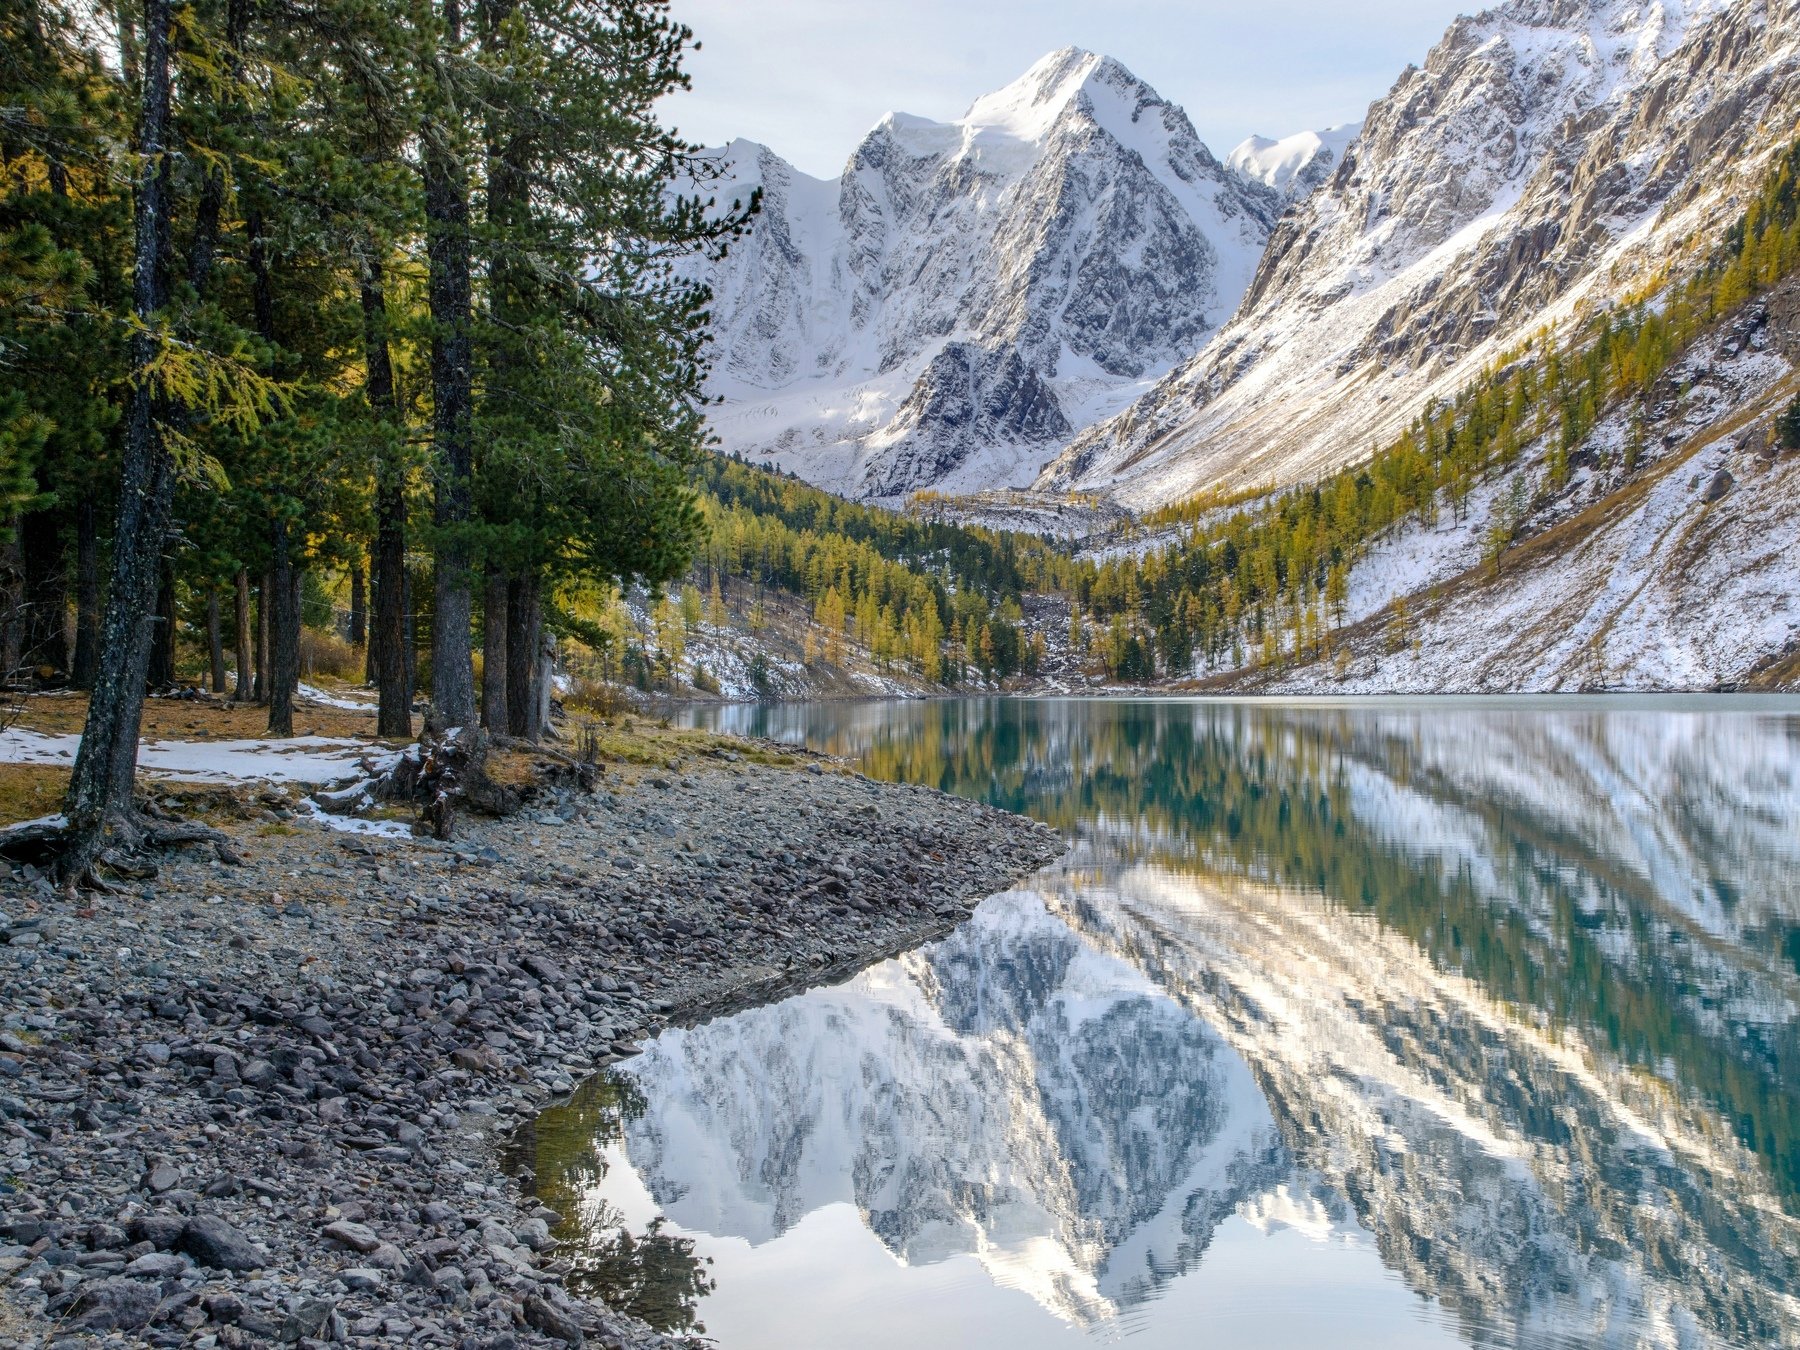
x: 411, y: 622
x: 372, y: 648
x: 246, y: 678
x: 495, y: 675
x: 161, y: 674
x: 215, y: 639
x: 359, y: 607
x: 87, y: 596
x: 284, y: 632
x: 263, y: 592
x: 388, y: 644
x: 523, y: 674
x: 99, y: 800
x: 452, y: 372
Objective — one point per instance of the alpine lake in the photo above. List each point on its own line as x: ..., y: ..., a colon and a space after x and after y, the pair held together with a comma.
x: 1395, y: 1022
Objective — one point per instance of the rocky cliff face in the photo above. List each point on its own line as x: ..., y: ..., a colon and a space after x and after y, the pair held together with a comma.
x: 1547, y: 154
x: 966, y: 296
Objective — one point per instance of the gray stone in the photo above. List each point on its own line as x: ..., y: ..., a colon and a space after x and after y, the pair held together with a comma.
x: 543, y: 1316
x: 213, y: 1242
x: 357, y: 1237
x: 388, y: 1257
x: 156, y: 1266
x: 114, y: 1305
x: 310, y: 1319
x: 161, y: 1231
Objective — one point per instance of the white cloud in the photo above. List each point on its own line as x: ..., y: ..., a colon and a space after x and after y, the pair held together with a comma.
x: 809, y: 77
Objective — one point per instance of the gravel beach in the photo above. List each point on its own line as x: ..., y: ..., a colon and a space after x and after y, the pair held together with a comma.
x: 264, y: 1104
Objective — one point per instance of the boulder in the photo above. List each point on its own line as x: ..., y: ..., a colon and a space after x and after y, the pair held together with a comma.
x: 213, y: 1242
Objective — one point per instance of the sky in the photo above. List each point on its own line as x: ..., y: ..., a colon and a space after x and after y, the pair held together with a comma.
x: 809, y: 77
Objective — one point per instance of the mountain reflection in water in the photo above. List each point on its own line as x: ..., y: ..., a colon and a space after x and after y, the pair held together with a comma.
x: 1395, y: 1023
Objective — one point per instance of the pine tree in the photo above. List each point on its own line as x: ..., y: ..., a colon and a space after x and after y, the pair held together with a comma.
x: 1787, y: 426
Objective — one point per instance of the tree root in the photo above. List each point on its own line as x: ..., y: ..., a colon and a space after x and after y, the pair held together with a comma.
x: 127, y: 840
x: 443, y: 774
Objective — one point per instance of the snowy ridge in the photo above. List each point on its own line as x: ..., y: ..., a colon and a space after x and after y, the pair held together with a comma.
x: 1293, y: 165
x: 967, y: 295
x: 1548, y: 154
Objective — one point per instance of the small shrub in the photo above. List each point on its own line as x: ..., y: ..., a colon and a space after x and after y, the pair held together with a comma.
x: 1787, y: 426
x: 762, y: 677
x: 596, y: 698
x: 328, y: 654
x: 705, y: 681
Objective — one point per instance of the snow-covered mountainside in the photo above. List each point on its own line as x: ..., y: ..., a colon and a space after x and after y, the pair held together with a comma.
x: 1680, y: 573
x: 1293, y: 165
x: 968, y: 295
x: 1549, y: 154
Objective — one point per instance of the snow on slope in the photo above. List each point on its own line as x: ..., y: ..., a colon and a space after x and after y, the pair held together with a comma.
x: 967, y: 295
x: 1293, y: 165
x: 1548, y: 153
x: 1683, y: 574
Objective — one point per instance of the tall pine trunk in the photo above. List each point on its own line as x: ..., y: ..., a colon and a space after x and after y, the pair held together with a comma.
x: 359, y: 606
x: 246, y: 679
x: 87, y: 595
x: 284, y: 632
x: 161, y: 674
x: 524, y: 668
x: 99, y: 801
x: 452, y: 374
x: 279, y: 605
x: 263, y: 592
x: 215, y: 639
x: 411, y: 624
x: 495, y: 675
x: 388, y: 644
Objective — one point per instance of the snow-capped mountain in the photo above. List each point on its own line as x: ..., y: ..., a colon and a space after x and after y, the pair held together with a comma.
x: 1127, y: 1126
x: 1550, y: 154
x: 968, y: 295
x: 1293, y: 165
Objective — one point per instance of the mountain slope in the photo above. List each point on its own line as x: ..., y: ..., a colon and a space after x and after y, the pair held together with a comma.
x: 968, y: 295
x: 1548, y: 154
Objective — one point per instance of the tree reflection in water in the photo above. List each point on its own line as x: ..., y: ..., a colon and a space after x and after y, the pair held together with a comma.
x: 652, y: 1275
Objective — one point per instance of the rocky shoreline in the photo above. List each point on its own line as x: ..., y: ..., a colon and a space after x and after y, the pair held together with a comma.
x: 265, y: 1104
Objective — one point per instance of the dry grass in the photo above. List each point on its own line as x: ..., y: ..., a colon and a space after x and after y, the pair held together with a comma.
x: 632, y: 741
x: 28, y: 791
x: 197, y: 720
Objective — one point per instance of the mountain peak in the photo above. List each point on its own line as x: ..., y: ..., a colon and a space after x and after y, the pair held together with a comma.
x: 1029, y: 107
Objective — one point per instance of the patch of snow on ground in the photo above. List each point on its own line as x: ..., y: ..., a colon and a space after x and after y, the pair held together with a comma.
x: 303, y: 759
x: 384, y: 829
x: 313, y: 694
